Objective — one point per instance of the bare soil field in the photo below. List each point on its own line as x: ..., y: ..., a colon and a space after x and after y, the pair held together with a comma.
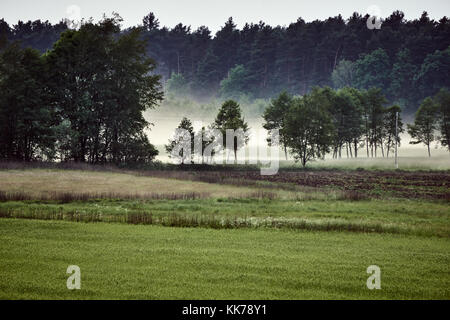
x: 402, y: 184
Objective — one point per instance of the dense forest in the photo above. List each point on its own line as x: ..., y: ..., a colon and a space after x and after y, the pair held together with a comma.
x: 83, y: 100
x: 408, y: 59
x: 327, y: 86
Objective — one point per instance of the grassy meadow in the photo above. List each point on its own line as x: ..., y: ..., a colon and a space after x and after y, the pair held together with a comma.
x: 153, y: 262
x: 223, y: 235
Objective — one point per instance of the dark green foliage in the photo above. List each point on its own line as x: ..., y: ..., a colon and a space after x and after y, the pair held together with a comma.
x: 274, y: 116
x: 424, y: 124
x: 338, y: 51
x: 392, y: 115
x: 225, y: 46
x: 309, y: 128
x: 83, y: 100
x: 325, y: 120
x: 374, y: 101
x: 442, y: 99
x: 372, y: 70
x: 434, y: 71
x: 208, y: 75
x: 230, y: 117
x: 347, y: 111
x: 235, y: 84
x: 344, y: 74
x: 26, y: 121
x: 40, y: 35
x: 402, y: 87
x: 185, y: 156
x: 136, y: 149
x: 150, y: 22
x: 102, y: 93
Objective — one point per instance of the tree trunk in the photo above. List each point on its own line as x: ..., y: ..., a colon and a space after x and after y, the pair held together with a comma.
x: 367, y: 146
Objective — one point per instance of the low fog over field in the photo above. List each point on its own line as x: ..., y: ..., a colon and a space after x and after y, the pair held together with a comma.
x: 166, y: 118
x: 163, y: 129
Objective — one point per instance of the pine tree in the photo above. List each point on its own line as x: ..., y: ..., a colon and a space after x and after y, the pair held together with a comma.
x: 230, y: 117
x: 182, y: 138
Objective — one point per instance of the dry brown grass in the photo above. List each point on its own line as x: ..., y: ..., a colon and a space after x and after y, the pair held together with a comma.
x: 80, y: 185
x: 42, y: 183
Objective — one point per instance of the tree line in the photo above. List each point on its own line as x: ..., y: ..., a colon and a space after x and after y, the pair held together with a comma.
x: 83, y: 100
x: 324, y: 121
x: 407, y: 59
x: 432, y: 121
x: 321, y: 122
x: 348, y: 119
x: 336, y: 121
x: 228, y: 132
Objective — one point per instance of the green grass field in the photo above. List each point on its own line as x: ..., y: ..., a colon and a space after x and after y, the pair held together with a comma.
x: 151, y: 262
x: 264, y: 240
x: 400, y: 216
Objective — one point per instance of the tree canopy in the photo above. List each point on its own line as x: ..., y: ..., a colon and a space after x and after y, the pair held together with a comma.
x: 407, y: 59
x: 83, y: 100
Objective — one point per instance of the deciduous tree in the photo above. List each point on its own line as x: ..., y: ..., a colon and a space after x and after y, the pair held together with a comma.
x: 424, y: 124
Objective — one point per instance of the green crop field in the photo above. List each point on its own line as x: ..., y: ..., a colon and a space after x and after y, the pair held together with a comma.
x: 208, y: 235
x: 152, y: 262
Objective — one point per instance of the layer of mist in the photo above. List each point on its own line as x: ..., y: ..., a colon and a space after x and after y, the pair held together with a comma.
x: 166, y: 118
